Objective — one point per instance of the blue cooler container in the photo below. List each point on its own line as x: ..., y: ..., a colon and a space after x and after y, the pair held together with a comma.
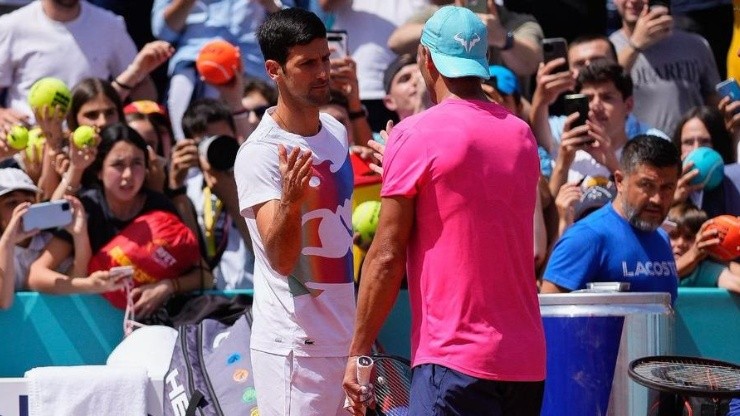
x: 591, y: 339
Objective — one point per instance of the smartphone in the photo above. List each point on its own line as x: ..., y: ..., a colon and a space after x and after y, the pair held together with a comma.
x: 123, y: 271
x: 477, y: 6
x: 729, y: 88
x: 337, y: 43
x: 47, y: 215
x: 576, y: 103
x: 662, y: 3
x: 553, y: 48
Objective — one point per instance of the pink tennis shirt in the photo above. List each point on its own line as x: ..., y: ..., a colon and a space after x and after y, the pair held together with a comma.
x: 472, y: 168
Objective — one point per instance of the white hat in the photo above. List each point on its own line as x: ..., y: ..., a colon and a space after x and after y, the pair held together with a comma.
x: 13, y: 179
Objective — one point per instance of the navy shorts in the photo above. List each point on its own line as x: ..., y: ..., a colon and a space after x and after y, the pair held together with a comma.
x: 440, y: 391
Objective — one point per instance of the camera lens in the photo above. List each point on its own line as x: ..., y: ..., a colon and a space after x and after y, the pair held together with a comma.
x: 220, y: 151
x: 65, y: 206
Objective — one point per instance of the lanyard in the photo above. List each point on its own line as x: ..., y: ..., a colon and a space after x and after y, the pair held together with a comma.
x: 211, y: 210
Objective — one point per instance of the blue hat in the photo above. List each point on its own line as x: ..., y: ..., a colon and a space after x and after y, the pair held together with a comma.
x: 458, y: 42
x: 506, y: 82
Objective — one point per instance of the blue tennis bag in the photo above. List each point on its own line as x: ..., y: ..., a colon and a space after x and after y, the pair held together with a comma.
x: 211, y: 372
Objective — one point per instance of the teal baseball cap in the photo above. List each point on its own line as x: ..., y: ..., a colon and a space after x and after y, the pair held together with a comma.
x: 458, y: 42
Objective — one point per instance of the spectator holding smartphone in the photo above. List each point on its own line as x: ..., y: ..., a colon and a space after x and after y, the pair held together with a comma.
x: 17, y: 193
x: 592, y: 150
x: 112, y: 202
x: 673, y: 70
x: 20, y: 249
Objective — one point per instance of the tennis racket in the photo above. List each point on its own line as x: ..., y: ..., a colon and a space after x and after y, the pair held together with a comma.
x: 392, y: 382
x: 690, y: 376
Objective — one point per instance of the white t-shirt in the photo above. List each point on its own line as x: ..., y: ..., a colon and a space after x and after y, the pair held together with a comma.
x: 25, y: 256
x: 311, y: 312
x: 369, y: 23
x: 33, y: 46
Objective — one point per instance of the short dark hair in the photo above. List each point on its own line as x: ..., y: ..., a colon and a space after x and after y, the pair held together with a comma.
x: 686, y: 215
x: 203, y: 112
x: 285, y: 29
x: 602, y: 70
x: 87, y: 90
x: 715, y: 125
x: 266, y: 90
x: 591, y: 37
x: 394, y: 67
x: 646, y: 149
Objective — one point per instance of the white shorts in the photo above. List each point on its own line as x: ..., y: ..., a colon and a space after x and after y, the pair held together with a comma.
x: 298, y: 386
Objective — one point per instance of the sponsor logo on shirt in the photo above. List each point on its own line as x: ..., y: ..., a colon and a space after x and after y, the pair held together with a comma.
x: 649, y: 269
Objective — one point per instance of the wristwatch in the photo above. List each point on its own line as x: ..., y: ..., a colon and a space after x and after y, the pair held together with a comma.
x: 509, y: 41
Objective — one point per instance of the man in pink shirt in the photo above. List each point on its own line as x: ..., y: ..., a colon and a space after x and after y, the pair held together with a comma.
x: 458, y: 199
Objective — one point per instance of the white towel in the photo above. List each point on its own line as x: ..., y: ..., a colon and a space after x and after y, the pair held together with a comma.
x: 87, y: 390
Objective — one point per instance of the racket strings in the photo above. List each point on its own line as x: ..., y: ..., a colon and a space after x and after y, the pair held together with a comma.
x: 691, y: 375
x: 392, y: 382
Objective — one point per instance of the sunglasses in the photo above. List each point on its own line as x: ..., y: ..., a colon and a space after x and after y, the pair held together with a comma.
x: 260, y: 111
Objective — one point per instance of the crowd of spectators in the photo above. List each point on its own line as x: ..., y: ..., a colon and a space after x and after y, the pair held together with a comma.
x: 133, y: 78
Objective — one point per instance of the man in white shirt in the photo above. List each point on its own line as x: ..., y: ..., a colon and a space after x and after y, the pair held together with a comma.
x: 65, y: 39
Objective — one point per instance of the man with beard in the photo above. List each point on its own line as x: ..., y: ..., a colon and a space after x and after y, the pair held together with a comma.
x: 623, y: 241
x: 294, y: 183
x: 65, y: 39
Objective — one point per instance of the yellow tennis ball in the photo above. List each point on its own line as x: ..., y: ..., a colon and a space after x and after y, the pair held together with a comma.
x: 17, y: 137
x: 84, y: 136
x: 50, y: 92
x: 35, y: 148
x: 365, y: 220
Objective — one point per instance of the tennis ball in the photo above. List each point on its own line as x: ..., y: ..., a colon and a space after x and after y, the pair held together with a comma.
x: 729, y: 237
x: 365, y: 220
x: 51, y: 92
x: 84, y: 136
x: 218, y: 61
x: 17, y: 138
x: 710, y: 166
x: 35, y: 148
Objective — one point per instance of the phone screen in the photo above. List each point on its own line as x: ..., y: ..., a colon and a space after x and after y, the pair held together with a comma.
x: 337, y: 44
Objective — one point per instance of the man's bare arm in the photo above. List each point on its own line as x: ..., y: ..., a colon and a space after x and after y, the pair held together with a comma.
x: 279, y: 221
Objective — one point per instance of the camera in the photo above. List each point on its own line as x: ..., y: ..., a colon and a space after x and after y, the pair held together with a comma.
x: 220, y: 151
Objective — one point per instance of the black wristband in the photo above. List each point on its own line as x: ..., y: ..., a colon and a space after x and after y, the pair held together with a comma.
x: 171, y: 193
x: 354, y: 115
x: 122, y: 85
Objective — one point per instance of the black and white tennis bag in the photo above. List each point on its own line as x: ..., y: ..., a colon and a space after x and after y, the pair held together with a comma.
x: 211, y: 372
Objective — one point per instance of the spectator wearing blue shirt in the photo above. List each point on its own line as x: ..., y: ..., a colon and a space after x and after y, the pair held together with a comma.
x: 623, y: 241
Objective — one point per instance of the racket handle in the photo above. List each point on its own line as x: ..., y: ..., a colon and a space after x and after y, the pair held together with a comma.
x: 364, y: 368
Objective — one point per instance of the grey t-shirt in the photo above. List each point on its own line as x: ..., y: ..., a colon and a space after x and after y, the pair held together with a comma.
x: 670, y: 77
